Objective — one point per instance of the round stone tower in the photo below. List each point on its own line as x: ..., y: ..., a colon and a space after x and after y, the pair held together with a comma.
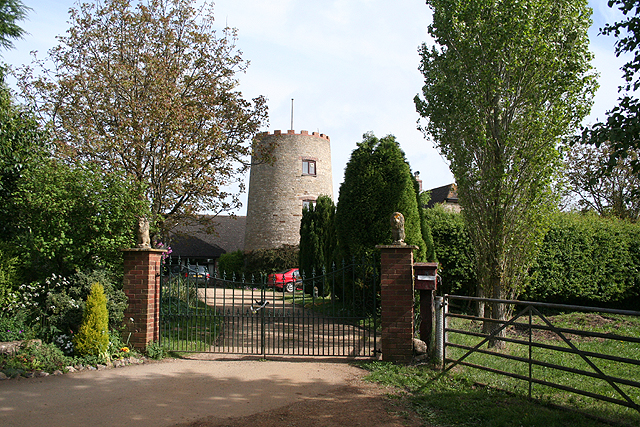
x: 299, y: 174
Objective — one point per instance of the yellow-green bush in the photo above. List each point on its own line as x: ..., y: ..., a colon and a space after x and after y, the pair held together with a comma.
x: 93, y: 337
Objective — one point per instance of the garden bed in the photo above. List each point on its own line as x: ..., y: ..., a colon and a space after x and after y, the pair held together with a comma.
x: 14, y: 364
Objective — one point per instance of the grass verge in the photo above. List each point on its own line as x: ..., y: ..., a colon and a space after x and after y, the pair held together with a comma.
x: 454, y: 400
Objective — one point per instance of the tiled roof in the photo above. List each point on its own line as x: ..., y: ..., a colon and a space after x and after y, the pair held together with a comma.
x: 445, y: 194
x: 192, y: 240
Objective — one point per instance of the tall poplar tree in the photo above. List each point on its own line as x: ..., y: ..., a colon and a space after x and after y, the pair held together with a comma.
x: 504, y: 82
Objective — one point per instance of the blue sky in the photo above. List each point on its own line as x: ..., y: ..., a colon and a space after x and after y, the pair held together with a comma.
x: 351, y: 66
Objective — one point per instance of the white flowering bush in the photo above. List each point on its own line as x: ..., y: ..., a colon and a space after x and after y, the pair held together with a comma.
x: 65, y: 343
x: 56, y: 304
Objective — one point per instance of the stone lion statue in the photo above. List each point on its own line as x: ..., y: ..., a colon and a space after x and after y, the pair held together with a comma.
x: 143, y: 233
x: 397, y: 228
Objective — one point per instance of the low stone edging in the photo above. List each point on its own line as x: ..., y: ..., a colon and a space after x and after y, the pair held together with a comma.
x: 11, y: 348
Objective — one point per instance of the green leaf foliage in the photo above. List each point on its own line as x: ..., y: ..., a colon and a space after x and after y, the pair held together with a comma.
x: 270, y: 260
x: 584, y: 259
x: 377, y: 183
x: 66, y: 304
x: 9, y: 274
x: 317, y: 237
x: 23, y: 145
x: 504, y: 82
x: 75, y: 218
x: 93, y: 337
x: 621, y: 130
x: 231, y: 263
x: 422, y: 200
x: 10, y: 12
x: 587, y: 259
x: 453, y: 249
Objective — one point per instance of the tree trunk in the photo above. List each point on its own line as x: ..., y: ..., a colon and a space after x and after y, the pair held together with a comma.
x: 494, y: 310
x: 481, y: 304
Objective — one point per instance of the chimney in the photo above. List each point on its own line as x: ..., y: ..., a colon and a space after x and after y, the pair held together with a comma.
x: 417, y: 175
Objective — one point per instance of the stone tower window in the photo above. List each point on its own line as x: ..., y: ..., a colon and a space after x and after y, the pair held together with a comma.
x: 308, y: 167
x: 308, y: 203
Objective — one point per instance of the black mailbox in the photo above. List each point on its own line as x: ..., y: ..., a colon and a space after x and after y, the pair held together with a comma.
x: 425, y: 275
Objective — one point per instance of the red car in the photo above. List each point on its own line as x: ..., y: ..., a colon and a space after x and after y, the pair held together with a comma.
x: 285, y: 280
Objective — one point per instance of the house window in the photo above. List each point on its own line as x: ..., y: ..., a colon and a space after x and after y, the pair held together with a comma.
x: 306, y: 204
x: 308, y: 167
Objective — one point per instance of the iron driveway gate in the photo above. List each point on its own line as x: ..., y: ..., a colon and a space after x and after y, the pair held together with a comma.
x: 332, y: 314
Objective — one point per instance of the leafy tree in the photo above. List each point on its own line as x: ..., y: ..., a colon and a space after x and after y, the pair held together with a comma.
x: 148, y: 88
x: 609, y: 192
x: 621, y: 131
x: 231, y: 263
x: 75, y: 218
x: 377, y: 183
x: 317, y: 238
x: 504, y: 82
x: 10, y: 12
x: 23, y: 145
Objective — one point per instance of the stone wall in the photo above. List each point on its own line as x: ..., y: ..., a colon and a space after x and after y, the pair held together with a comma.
x: 277, y: 190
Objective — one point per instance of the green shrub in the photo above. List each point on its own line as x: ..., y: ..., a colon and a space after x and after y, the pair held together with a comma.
x: 156, y: 351
x: 15, y: 328
x: 270, y: 260
x: 318, y: 242
x: 584, y: 260
x: 9, y: 277
x: 587, y: 259
x: 93, y: 336
x: 377, y: 182
x: 231, y: 263
x: 78, y: 218
x: 34, y: 356
x: 56, y: 305
x: 453, y: 251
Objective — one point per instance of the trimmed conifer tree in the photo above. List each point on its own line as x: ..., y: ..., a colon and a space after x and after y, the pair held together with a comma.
x: 317, y: 237
x: 377, y: 182
x: 93, y: 337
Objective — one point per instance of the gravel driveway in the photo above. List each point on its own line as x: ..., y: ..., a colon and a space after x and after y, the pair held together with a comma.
x: 202, y: 393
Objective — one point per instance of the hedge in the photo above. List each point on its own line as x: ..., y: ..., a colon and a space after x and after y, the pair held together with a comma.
x: 584, y: 260
x: 453, y: 251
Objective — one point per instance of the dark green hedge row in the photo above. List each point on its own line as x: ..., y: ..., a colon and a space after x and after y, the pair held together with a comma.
x: 584, y: 259
x: 453, y: 251
x: 270, y: 260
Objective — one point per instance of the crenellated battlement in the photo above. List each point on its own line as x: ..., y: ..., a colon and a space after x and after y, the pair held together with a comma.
x: 299, y: 171
x: 293, y: 132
